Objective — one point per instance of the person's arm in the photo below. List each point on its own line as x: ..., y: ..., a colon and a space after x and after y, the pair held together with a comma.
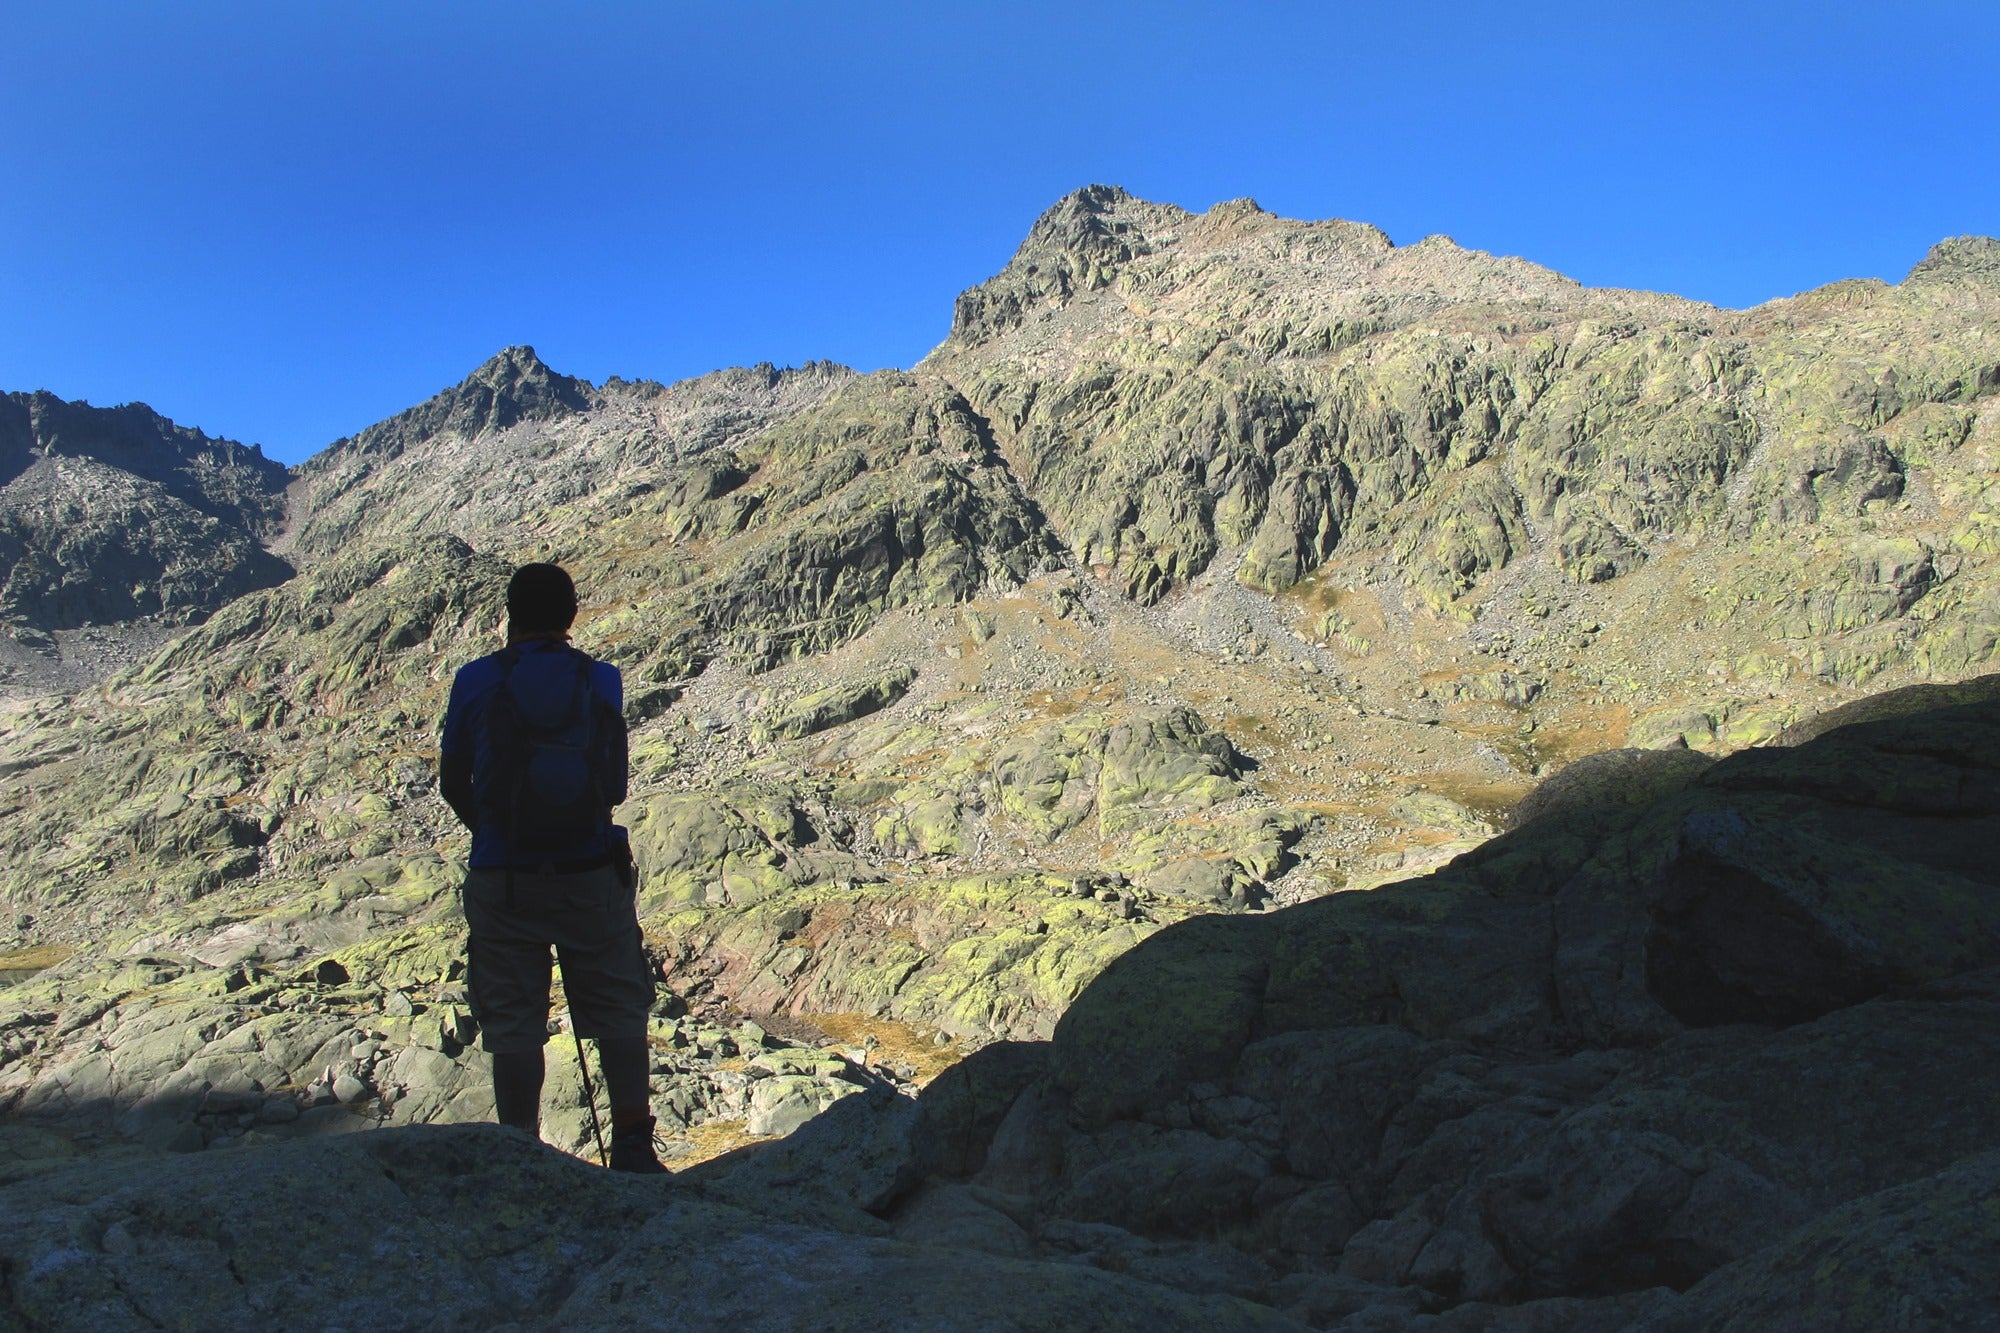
x: 455, y: 785
x: 455, y: 759
x: 610, y: 688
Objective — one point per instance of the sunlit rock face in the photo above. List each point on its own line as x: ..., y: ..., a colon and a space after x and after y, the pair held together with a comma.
x: 1213, y: 563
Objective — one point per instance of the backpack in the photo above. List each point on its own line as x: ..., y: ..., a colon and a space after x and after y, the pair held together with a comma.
x: 555, y: 756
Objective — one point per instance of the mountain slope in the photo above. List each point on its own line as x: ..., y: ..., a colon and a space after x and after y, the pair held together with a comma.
x: 1171, y: 385
x: 517, y: 448
x: 1213, y: 562
x: 110, y: 514
x: 116, y: 525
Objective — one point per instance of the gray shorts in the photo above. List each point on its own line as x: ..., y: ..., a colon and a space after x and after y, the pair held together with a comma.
x: 591, y: 923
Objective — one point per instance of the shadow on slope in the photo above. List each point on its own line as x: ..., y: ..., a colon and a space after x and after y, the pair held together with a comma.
x: 1606, y: 1057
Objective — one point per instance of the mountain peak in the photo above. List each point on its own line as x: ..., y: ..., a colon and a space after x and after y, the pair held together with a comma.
x: 1960, y: 259
x: 511, y: 386
x: 1100, y: 224
x: 1074, y: 246
x: 514, y: 385
x: 518, y: 359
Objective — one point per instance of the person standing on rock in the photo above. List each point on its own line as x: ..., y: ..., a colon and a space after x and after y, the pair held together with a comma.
x: 533, y: 761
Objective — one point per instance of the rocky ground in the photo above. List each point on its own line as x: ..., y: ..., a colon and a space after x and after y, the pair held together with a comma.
x: 39, y: 664
x: 1721, y: 1059
x: 1215, y: 568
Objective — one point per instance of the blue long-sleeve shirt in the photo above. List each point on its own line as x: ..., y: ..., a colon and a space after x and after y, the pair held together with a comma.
x: 464, y: 765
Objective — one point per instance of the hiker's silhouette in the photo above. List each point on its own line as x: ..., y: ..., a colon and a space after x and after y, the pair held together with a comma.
x: 532, y: 761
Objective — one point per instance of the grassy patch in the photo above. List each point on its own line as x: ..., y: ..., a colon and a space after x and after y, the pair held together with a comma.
x: 20, y: 964
x: 35, y: 959
x: 896, y: 1043
x: 707, y: 1141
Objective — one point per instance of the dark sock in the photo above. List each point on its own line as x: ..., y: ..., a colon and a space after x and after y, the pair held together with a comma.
x: 517, y: 1089
x: 623, y: 1060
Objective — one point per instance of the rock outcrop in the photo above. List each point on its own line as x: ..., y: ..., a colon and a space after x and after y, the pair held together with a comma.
x: 1722, y: 1059
x: 112, y: 514
x: 495, y: 1233
x: 1745, y: 1029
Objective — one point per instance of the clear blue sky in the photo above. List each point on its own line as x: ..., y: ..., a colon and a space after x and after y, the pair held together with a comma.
x: 281, y: 222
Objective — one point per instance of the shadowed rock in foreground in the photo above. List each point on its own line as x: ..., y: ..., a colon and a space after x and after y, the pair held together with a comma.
x: 1620, y: 1053
x: 1726, y: 1059
x: 471, y: 1227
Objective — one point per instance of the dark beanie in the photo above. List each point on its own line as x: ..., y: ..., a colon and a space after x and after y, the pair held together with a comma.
x: 540, y: 599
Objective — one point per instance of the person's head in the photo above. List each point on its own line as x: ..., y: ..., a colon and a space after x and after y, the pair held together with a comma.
x: 540, y: 600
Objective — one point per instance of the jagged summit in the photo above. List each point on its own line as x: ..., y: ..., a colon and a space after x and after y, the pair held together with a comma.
x: 1102, y: 223
x: 490, y: 457
x: 1960, y: 259
x: 512, y: 386
x: 1240, y: 258
x: 521, y: 378
x: 1077, y: 245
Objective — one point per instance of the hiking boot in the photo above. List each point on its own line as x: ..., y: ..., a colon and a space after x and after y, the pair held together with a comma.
x: 632, y: 1149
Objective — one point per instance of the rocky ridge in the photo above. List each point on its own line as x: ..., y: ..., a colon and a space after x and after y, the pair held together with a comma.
x: 117, y: 528
x: 517, y: 450
x: 1214, y: 562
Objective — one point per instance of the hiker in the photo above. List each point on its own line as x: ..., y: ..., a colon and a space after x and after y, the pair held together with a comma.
x: 532, y: 761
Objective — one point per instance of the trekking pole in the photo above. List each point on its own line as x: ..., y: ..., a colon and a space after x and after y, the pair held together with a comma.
x: 583, y: 1068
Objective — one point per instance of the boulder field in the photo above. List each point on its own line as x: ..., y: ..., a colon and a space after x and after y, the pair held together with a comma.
x: 1724, y: 1058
